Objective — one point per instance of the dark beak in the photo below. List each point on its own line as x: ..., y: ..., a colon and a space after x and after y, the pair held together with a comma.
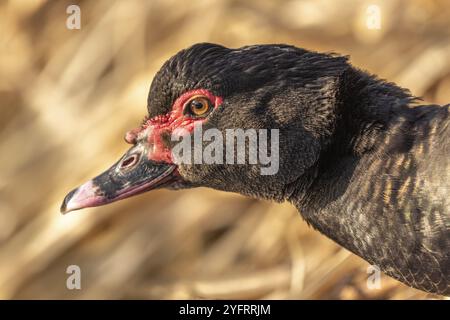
x: 133, y: 174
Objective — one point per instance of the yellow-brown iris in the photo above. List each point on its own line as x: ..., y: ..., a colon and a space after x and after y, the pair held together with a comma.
x: 199, y: 106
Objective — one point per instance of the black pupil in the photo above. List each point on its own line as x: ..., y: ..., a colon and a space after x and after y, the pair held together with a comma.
x: 197, y: 104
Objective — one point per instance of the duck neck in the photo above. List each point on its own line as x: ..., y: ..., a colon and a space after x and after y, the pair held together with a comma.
x: 365, y: 191
x: 341, y: 194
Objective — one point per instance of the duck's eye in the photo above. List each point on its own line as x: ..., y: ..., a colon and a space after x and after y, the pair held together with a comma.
x: 199, y: 106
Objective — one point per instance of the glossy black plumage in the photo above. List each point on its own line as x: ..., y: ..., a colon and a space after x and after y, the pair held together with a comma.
x: 360, y: 163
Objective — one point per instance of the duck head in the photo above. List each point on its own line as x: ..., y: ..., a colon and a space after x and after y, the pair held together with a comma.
x: 289, y: 92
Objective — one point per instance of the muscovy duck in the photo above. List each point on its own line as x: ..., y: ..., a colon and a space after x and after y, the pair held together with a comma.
x: 362, y: 164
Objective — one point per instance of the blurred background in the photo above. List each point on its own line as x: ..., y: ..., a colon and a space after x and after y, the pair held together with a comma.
x: 68, y: 96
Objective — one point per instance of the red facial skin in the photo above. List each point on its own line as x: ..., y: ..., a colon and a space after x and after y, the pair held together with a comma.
x: 150, y: 132
x: 168, y: 123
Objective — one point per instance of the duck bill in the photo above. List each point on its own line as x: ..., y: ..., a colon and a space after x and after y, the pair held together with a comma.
x: 132, y: 175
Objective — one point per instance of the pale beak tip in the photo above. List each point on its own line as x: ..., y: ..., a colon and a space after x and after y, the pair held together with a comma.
x: 65, y: 206
x: 63, y: 210
x: 82, y: 197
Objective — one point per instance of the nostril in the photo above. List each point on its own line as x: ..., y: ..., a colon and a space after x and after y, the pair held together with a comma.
x: 129, y: 161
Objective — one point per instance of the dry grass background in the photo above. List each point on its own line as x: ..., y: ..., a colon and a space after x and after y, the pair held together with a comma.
x: 67, y: 97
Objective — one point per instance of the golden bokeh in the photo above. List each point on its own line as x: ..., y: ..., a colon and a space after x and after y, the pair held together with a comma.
x: 68, y: 96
